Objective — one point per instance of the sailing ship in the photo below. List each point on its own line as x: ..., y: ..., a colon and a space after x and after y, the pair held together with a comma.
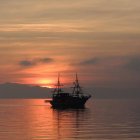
x: 76, y: 99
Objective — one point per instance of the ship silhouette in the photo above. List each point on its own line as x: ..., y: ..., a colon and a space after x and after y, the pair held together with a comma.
x: 61, y: 99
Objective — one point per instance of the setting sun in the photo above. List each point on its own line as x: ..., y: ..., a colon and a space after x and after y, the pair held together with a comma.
x: 45, y: 83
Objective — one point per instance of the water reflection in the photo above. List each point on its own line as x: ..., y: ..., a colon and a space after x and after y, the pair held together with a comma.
x: 69, y: 122
x: 47, y: 123
x: 101, y: 120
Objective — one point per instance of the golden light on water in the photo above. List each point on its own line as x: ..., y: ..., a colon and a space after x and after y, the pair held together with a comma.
x: 46, y: 123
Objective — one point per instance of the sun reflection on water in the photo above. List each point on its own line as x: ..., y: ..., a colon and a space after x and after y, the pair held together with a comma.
x: 48, y: 123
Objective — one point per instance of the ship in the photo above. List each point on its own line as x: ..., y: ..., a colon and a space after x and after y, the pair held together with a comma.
x: 75, y: 99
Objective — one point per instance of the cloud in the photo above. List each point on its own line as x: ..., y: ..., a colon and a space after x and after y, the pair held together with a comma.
x: 29, y: 63
x: 121, y: 62
x: 128, y: 62
x: 26, y: 63
x: 133, y: 63
x: 45, y: 60
x: 91, y: 61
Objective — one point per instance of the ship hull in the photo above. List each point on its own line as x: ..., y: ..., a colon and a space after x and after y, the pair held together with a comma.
x: 69, y: 102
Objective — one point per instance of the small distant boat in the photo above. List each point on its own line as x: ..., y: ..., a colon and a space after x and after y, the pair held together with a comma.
x: 76, y: 99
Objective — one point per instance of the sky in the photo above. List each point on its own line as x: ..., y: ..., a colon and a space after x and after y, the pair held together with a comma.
x: 98, y: 39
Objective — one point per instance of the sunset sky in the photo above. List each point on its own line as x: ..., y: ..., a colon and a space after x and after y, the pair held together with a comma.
x: 98, y: 39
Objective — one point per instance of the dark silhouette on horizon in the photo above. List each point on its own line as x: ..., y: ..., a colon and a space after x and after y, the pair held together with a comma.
x: 74, y: 99
x: 17, y: 90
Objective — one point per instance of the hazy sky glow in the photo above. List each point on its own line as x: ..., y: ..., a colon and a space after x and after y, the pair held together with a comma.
x: 99, y: 39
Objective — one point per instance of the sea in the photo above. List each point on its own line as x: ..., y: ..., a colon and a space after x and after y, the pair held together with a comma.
x: 102, y: 119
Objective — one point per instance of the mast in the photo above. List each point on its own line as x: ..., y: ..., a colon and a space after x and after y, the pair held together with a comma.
x: 77, y: 89
x: 58, y: 86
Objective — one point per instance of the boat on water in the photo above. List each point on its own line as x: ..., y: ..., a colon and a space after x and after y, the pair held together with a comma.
x: 76, y: 99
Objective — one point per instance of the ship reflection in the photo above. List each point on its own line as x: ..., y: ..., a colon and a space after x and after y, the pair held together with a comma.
x: 68, y: 122
x: 47, y: 123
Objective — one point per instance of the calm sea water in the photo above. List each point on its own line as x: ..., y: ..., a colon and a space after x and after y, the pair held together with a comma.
x: 101, y: 120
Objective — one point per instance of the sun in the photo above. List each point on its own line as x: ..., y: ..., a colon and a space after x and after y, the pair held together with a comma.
x: 45, y: 83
